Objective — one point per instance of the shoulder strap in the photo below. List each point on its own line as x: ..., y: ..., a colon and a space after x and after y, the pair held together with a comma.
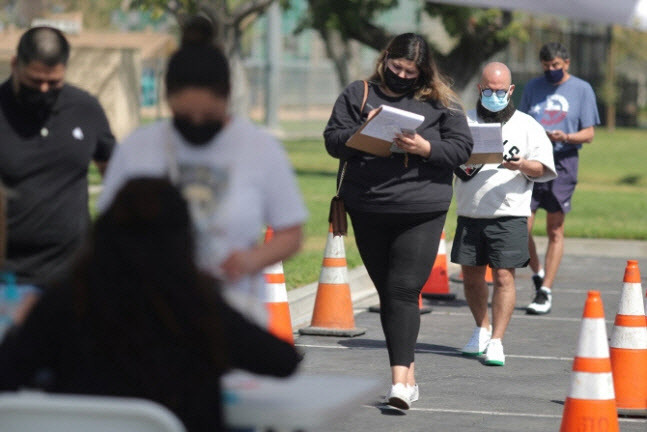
x: 361, y: 108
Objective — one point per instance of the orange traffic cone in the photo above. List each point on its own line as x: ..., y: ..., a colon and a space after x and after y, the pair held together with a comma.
x: 437, y: 285
x: 421, y: 306
x: 591, y: 403
x: 628, y: 347
x: 488, y: 276
x: 333, y: 310
x: 276, y: 299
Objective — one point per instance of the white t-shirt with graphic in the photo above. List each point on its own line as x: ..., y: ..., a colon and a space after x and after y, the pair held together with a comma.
x: 235, y: 186
x: 495, y: 191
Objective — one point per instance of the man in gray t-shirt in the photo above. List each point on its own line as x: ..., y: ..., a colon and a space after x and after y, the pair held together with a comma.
x: 565, y: 106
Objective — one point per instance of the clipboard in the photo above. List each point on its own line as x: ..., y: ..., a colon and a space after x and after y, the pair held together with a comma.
x: 488, y: 143
x: 376, y: 135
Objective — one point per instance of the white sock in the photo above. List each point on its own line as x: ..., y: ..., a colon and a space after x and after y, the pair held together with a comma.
x: 545, y: 288
x: 540, y: 273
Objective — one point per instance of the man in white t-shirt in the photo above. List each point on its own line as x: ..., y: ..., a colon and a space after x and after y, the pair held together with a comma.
x: 493, y: 206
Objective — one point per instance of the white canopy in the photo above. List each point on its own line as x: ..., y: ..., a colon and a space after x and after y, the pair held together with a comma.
x: 630, y: 13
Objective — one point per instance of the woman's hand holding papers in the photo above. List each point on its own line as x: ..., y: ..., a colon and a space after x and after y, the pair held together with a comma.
x: 414, y: 144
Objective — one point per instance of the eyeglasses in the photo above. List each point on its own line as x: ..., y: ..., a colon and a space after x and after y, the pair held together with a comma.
x: 499, y: 93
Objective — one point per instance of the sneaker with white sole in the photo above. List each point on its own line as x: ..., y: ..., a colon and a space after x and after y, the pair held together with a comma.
x: 415, y: 393
x: 399, y: 396
x: 494, y: 353
x: 478, y: 341
x: 542, y: 302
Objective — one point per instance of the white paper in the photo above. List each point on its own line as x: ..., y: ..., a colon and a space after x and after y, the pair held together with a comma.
x: 390, y: 121
x: 487, y: 137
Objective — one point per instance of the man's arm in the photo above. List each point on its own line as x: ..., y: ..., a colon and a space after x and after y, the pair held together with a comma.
x: 582, y: 136
x: 530, y: 168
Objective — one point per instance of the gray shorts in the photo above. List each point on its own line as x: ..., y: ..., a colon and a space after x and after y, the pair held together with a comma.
x: 501, y: 242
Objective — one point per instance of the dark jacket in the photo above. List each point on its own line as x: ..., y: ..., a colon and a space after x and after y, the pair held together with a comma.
x: 385, y: 184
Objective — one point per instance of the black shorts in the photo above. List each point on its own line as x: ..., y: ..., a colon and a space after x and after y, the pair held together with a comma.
x: 500, y: 242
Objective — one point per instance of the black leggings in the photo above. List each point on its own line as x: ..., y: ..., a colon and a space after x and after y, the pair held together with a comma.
x: 398, y: 251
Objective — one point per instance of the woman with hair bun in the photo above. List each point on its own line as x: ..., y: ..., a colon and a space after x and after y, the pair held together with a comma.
x: 235, y: 176
x: 397, y: 204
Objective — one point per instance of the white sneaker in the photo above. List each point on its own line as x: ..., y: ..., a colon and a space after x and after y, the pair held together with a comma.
x: 415, y: 393
x: 542, y: 302
x: 478, y: 341
x: 494, y: 353
x: 400, y: 396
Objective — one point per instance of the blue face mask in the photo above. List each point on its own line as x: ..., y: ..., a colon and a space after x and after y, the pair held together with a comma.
x: 554, y: 76
x: 494, y: 103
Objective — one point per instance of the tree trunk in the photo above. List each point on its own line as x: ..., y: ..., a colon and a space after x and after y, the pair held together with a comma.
x: 337, y: 50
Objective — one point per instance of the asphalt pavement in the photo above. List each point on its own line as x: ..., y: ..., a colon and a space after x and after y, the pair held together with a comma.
x: 462, y: 394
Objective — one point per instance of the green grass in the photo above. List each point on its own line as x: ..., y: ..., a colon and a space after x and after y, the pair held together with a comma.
x: 610, y: 200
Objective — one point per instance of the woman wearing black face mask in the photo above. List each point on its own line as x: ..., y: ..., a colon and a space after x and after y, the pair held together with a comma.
x: 398, y: 204
x: 234, y: 175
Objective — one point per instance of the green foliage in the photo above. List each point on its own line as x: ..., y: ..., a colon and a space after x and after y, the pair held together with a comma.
x: 342, y: 15
x: 463, y: 20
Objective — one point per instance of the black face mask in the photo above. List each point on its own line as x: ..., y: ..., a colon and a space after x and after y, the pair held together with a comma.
x: 35, y: 101
x: 197, y: 134
x: 554, y: 76
x: 398, y: 84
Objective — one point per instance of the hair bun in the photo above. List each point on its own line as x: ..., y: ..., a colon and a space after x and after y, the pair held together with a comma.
x: 198, y: 30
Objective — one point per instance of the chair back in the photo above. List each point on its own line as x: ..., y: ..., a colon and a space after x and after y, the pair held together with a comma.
x: 34, y: 411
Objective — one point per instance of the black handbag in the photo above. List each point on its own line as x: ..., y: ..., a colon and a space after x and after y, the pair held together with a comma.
x: 337, y: 214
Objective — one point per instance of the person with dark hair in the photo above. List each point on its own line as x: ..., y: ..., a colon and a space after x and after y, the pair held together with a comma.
x: 49, y: 133
x: 135, y: 317
x: 565, y: 106
x: 397, y: 204
x: 235, y: 176
x: 493, y: 205
x: 198, y: 29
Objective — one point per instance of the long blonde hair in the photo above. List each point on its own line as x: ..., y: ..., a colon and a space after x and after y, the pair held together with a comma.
x: 431, y: 84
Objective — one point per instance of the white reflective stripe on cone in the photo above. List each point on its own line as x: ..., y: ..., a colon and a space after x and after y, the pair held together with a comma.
x: 335, y: 247
x: 276, y: 268
x: 442, y: 247
x: 629, y: 337
x: 333, y: 275
x: 275, y: 293
x: 630, y: 301
x: 591, y: 386
x: 593, y: 339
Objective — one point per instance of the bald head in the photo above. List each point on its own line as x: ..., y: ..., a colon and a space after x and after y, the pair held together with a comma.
x: 496, y: 72
x: 496, y: 76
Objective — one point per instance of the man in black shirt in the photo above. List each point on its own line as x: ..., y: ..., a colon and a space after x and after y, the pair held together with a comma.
x: 49, y: 133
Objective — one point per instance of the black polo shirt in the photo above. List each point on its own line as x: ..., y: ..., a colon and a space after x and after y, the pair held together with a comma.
x: 44, y: 165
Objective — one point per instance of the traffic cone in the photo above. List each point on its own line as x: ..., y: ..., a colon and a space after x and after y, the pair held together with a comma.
x: 488, y: 276
x: 276, y: 299
x: 421, y: 306
x: 628, y: 347
x: 333, y: 310
x: 437, y: 285
x: 591, y: 403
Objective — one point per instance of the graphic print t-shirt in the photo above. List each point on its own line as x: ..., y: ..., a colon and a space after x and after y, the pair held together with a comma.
x: 568, y: 107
